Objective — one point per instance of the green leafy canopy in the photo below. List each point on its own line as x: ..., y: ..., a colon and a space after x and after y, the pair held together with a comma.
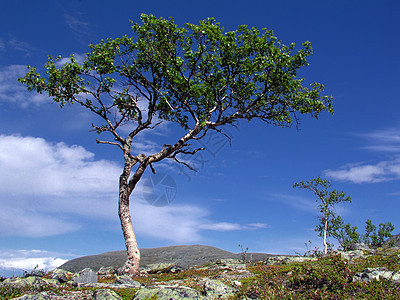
x: 193, y: 75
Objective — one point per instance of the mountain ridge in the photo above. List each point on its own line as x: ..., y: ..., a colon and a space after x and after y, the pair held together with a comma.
x: 184, y: 256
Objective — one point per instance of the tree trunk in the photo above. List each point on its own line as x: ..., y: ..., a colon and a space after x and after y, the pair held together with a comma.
x: 131, y: 266
x: 126, y: 187
x: 325, y: 230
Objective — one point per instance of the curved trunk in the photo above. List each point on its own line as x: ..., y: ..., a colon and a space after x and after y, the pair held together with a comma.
x: 127, y: 185
x: 132, y: 264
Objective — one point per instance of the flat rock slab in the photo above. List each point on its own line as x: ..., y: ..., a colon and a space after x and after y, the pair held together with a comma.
x: 86, y: 276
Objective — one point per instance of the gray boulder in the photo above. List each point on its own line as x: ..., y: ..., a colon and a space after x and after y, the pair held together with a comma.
x: 85, y: 276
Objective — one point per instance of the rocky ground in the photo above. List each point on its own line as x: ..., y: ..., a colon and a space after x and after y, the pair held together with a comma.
x: 356, y: 274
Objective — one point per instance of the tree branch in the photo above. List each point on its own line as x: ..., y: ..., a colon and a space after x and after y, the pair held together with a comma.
x: 183, y: 163
x: 110, y: 143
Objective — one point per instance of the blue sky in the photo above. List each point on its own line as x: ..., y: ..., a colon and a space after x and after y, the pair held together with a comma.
x: 58, y: 188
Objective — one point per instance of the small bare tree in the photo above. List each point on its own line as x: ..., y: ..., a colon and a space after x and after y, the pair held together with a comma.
x: 320, y: 187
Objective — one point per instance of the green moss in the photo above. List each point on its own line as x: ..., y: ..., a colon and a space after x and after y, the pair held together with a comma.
x: 126, y: 294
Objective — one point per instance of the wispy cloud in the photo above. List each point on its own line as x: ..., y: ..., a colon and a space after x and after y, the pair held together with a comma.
x: 367, y: 173
x: 13, y: 44
x: 384, y: 141
x: 80, y: 29
x: 2, y: 45
x: 226, y: 226
x: 21, y: 46
x: 297, y: 202
x: 11, y: 91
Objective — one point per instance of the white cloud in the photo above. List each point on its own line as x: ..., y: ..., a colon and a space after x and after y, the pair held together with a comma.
x: 41, y: 180
x: 80, y: 58
x: 225, y: 226
x: 367, y: 173
x: 44, y: 168
x: 29, y: 259
x: 50, y: 188
x: 222, y: 226
x: 177, y: 223
x: 257, y: 226
x: 11, y: 91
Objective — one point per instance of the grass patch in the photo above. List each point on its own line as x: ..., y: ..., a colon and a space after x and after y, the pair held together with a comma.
x: 327, y: 278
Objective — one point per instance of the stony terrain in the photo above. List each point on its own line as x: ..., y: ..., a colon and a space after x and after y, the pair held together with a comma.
x: 359, y: 274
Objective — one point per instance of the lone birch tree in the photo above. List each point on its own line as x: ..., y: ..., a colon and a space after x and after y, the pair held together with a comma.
x: 199, y: 76
x: 327, y: 200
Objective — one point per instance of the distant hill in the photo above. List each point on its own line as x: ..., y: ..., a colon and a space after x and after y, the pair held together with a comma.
x: 184, y: 256
x: 9, y: 272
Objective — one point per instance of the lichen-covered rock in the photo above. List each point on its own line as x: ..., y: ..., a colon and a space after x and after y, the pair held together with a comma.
x: 40, y: 296
x: 162, y: 268
x: 279, y: 260
x: 215, y: 289
x: 33, y: 281
x: 231, y: 263
x: 85, y: 276
x: 350, y: 255
x: 359, y: 246
x: 237, y: 275
x: 376, y: 274
x: 105, y: 294
x: 167, y: 292
x: 107, y: 271
x: 125, y: 279
x: 60, y: 275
